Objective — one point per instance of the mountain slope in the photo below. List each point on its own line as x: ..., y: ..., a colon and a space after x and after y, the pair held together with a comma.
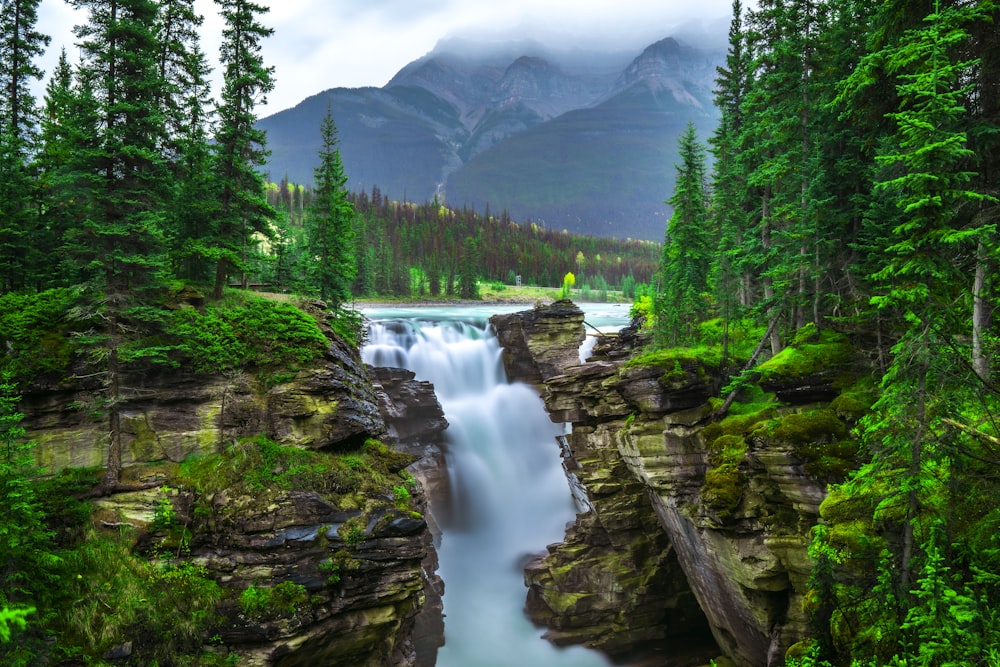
x: 603, y: 170
x: 581, y: 141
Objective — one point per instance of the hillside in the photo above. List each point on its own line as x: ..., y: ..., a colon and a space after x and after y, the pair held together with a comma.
x: 579, y: 141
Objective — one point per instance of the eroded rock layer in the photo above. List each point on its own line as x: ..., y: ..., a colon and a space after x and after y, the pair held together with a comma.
x: 361, y: 569
x: 690, y: 525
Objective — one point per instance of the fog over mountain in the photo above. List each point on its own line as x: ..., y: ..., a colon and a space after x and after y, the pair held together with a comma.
x: 558, y: 133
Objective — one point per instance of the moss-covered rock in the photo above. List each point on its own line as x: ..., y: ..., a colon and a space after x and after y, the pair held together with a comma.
x: 814, y: 367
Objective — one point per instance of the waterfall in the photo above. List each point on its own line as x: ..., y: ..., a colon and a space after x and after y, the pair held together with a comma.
x: 509, y: 494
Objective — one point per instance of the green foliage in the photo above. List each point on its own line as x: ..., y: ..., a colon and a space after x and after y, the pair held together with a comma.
x: 329, y: 254
x: 349, y: 325
x: 259, y: 466
x: 246, y: 332
x: 353, y: 531
x: 13, y: 618
x: 684, y: 267
x: 332, y: 568
x: 265, y: 604
x: 643, y: 308
x: 164, y: 610
x: 27, y: 561
x: 37, y: 331
x: 569, y: 280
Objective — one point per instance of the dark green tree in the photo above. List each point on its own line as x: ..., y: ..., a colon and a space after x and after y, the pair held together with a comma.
x: 731, y: 205
x: 681, y: 302
x: 329, y: 253
x: 20, y: 45
x: 239, y: 145
x: 468, y: 277
x: 119, y: 246
x: 27, y: 563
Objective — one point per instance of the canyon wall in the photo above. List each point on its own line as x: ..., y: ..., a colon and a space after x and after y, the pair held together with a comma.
x: 372, y: 598
x: 696, y: 529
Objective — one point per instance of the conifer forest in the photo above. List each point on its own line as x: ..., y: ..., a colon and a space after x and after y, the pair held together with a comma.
x: 850, y: 192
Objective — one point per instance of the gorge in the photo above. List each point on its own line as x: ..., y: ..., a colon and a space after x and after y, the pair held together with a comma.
x: 687, y: 536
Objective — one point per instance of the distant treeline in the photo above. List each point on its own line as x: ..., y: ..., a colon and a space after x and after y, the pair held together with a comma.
x: 409, y: 249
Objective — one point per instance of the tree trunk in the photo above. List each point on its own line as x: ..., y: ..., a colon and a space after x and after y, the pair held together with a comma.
x: 981, y: 313
x: 112, y: 475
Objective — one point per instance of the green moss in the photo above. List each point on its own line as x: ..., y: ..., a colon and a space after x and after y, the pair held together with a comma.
x: 727, y: 449
x: 854, y: 403
x: 819, y: 440
x: 800, y: 428
x: 809, y: 352
x: 281, y: 600
x: 669, y: 359
x: 561, y: 602
x: 258, y: 467
x: 723, y: 489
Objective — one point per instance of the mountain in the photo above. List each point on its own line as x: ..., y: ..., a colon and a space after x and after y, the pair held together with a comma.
x: 569, y: 139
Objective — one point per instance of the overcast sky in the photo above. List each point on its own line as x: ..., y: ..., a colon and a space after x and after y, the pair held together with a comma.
x: 321, y: 44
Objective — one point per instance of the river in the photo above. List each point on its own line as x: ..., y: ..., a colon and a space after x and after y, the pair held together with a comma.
x: 509, y: 495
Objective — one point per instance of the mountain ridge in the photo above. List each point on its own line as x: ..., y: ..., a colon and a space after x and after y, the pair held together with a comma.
x: 575, y: 140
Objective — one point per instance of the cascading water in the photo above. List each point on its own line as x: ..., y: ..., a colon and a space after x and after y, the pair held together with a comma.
x: 509, y: 495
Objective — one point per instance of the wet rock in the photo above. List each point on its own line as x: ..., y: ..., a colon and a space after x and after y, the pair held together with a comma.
x: 639, y: 456
x: 541, y: 343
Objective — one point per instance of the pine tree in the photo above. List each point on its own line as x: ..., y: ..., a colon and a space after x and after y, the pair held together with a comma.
x: 330, y: 230
x: 240, y: 145
x: 193, y: 201
x: 120, y: 245
x: 69, y: 137
x: 687, y: 249
x: 730, y: 205
x: 26, y: 560
x: 20, y: 45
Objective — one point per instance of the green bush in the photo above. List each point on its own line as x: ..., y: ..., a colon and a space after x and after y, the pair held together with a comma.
x: 281, y: 600
x: 245, y: 331
x: 37, y: 330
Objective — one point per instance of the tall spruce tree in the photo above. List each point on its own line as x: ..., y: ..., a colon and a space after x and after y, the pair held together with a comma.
x: 239, y: 144
x: 120, y: 246
x: 330, y: 230
x: 681, y: 300
x: 928, y: 170
x: 730, y: 279
x: 20, y: 45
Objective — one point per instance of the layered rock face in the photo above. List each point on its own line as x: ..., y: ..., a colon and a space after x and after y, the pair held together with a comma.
x: 663, y: 552
x: 372, y: 598
x: 615, y: 583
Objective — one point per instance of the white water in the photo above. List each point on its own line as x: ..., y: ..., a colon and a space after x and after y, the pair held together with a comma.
x: 510, y: 497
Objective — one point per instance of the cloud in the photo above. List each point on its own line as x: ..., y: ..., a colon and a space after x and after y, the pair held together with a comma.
x: 318, y: 44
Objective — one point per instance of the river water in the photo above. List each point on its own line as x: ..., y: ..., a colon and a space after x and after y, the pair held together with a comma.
x: 509, y: 495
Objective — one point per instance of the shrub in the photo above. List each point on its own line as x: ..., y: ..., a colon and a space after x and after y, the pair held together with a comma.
x: 281, y: 600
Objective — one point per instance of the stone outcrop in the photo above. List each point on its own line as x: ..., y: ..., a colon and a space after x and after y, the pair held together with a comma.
x: 727, y: 528
x: 170, y: 415
x: 539, y: 344
x: 372, y: 598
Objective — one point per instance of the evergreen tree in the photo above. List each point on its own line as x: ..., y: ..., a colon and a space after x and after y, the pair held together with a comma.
x: 26, y: 560
x: 193, y: 201
x: 730, y: 194
x: 240, y: 145
x: 468, y: 276
x: 20, y: 45
x: 120, y: 245
x: 69, y: 137
x: 687, y: 249
x: 330, y: 241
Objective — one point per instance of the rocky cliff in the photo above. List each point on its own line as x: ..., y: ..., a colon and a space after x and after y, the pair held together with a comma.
x: 697, y: 528
x: 319, y: 504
